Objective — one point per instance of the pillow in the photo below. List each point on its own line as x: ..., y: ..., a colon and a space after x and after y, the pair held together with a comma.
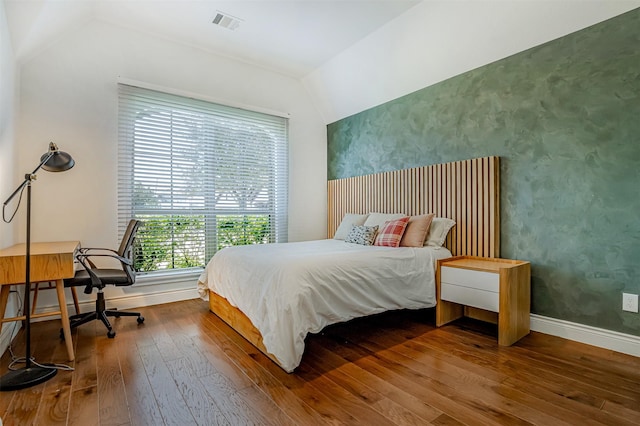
x: 438, y: 231
x: 417, y: 229
x: 361, y: 234
x: 348, y: 221
x: 380, y: 218
x: 392, y: 232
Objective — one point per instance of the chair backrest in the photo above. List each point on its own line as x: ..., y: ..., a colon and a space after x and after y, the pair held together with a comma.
x: 126, y: 246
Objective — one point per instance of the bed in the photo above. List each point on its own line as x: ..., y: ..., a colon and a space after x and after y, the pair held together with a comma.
x: 291, y: 289
x: 275, y: 294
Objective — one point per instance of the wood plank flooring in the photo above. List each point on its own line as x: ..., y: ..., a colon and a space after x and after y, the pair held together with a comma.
x: 184, y: 366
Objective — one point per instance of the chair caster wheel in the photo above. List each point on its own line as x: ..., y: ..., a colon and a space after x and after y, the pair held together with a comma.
x: 111, y: 334
x: 117, y: 315
x: 140, y: 320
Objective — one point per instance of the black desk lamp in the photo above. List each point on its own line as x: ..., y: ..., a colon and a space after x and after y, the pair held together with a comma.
x: 53, y: 160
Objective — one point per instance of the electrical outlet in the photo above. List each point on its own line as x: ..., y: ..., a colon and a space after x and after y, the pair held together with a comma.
x: 630, y: 302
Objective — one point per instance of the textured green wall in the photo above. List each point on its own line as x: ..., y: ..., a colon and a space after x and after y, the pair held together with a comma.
x: 565, y: 119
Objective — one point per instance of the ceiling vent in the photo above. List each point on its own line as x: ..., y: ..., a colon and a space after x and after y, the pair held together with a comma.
x: 226, y: 21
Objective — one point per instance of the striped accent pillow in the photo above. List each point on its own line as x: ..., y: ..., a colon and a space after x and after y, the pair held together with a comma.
x: 391, y: 232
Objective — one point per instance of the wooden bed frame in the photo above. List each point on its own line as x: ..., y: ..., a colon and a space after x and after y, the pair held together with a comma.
x: 466, y: 191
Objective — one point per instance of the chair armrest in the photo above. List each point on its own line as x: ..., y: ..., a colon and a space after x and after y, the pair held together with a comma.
x: 96, y: 248
x: 124, y: 260
x: 85, y: 250
x: 95, y: 280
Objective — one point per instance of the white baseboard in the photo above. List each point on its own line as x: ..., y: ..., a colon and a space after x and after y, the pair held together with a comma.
x: 6, y: 336
x: 127, y: 301
x: 141, y: 300
x: 607, y: 339
x: 10, y: 329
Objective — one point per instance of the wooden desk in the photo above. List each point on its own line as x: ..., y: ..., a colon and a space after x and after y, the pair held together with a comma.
x: 52, y: 261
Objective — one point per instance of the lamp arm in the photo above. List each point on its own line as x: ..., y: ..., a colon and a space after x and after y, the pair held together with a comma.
x: 29, y: 177
x: 45, y: 158
x: 18, y: 189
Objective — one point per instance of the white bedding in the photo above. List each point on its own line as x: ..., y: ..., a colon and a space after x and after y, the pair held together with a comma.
x: 288, y: 290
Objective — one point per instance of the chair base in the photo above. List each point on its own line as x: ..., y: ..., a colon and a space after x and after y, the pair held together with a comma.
x: 102, y: 314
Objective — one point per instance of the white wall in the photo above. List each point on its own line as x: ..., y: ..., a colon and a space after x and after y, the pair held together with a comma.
x: 439, y: 39
x: 69, y: 96
x: 8, y: 173
x: 8, y: 104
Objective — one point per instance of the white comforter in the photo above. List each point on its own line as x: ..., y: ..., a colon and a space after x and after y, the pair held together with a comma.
x: 288, y: 290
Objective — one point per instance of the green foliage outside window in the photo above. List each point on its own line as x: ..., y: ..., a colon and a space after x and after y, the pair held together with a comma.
x: 242, y: 230
x: 179, y: 241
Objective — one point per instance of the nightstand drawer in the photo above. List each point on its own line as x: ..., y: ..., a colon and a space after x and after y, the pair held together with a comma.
x: 470, y: 296
x: 486, y: 281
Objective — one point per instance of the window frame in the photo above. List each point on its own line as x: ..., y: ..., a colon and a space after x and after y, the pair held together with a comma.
x: 276, y: 204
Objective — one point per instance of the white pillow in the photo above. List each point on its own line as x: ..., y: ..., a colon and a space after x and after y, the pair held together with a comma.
x: 380, y: 218
x: 349, y: 221
x: 438, y: 231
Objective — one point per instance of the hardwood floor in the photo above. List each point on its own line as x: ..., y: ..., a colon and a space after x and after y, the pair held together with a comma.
x: 184, y: 366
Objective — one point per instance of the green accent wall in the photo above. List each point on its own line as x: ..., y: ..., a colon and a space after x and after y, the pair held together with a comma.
x: 565, y: 119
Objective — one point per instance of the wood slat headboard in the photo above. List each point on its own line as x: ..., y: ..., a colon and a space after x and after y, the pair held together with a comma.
x: 466, y: 191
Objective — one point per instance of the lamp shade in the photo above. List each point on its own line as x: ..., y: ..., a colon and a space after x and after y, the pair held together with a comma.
x: 58, y: 161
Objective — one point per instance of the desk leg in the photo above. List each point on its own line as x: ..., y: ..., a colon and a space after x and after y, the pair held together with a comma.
x: 64, y: 316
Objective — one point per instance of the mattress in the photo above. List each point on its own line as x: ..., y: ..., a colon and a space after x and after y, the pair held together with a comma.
x: 288, y: 290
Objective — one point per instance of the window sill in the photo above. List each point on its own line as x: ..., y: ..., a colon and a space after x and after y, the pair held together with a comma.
x: 168, y: 277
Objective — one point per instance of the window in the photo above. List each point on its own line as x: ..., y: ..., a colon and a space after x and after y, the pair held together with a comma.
x: 201, y: 176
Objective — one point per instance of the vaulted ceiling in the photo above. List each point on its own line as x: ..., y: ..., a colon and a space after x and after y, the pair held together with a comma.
x: 290, y: 36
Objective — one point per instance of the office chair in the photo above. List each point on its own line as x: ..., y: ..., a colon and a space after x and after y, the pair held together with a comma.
x: 94, y: 277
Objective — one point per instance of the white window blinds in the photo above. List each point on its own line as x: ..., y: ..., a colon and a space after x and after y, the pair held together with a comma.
x: 201, y: 176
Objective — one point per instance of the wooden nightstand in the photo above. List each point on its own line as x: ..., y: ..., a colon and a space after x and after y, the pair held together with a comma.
x: 497, y: 285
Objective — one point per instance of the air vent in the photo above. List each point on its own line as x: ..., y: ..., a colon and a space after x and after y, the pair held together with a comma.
x: 226, y: 21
